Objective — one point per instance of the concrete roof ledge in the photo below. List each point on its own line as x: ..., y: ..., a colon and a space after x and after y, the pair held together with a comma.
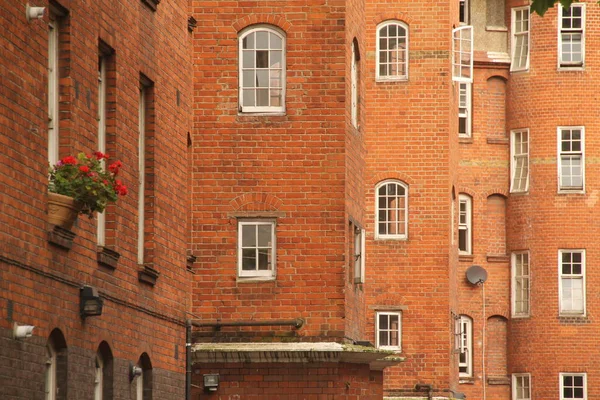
x: 292, y: 353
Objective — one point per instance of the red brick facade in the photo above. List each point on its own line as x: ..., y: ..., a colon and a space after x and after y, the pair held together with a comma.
x: 41, y: 268
x: 269, y: 132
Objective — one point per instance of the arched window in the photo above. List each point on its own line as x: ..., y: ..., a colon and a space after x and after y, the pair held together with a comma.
x: 392, y: 51
x: 103, y: 388
x: 391, y: 204
x: 56, y: 366
x: 465, y: 224
x: 143, y: 388
x: 465, y: 353
x: 355, y: 82
x: 262, y: 69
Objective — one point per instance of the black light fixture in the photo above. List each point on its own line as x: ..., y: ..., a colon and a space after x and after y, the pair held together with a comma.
x: 90, y: 303
x: 211, y: 382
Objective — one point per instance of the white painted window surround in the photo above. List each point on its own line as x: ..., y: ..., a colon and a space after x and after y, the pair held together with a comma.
x: 571, y: 36
x: 520, y: 39
x: 262, y: 65
x: 389, y: 329
x: 392, y: 51
x: 256, y: 248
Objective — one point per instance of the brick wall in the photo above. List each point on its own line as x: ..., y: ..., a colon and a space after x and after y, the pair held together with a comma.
x: 40, y: 281
x: 408, y: 139
x: 544, y: 221
x: 289, y: 167
x: 327, y: 381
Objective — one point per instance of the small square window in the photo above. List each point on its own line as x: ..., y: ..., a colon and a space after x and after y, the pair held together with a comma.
x: 573, y: 386
x: 256, y: 249
x: 521, y: 387
x: 388, y: 330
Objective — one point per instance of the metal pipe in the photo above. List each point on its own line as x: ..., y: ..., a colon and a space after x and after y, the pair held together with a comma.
x: 296, y: 323
x: 188, y: 359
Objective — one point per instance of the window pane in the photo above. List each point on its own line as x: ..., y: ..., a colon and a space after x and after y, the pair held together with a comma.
x: 462, y: 240
x: 248, y: 97
x: 264, y: 235
x: 248, y: 59
x: 262, y: 97
x: 248, y: 235
x: 383, y: 322
x: 276, y: 42
x: 276, y: 98
x: 248, y: 259
x: 248, y: 42
x: 262, y: 59
x: 248, y: 79
x: 264, y: 259
x: 262, y: 78
x: 275, y: 59
x: 262, y: 40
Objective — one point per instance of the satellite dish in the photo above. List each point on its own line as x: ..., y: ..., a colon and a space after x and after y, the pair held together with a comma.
x: 476, y: 275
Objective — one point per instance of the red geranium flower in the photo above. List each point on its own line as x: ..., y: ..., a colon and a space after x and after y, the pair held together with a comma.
x: 70, y: 160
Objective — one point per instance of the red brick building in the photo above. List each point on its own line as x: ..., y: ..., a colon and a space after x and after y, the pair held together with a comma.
x: 373, y: 199
x: 448, y: 165
x: 91, y: 75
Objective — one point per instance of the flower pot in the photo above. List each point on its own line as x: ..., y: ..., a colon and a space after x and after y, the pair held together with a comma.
x: 62, y: 210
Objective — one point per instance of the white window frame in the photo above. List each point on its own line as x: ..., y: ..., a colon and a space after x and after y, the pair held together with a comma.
x: 466, y: 223
x: 397, y: 77
x: 562, y: 64
x: 462, y: 54
x: 564, y: 375
x: 359, y: 255
x: 562, y: 278
x: 53, y: 89
x: 397, y: 210
x: 51, y: 385
x: 98, y: 377
x: 101, y: 216
x: 282, y: 69
x: 521, y: 386
x: 354, y: 84
x: 264, y: 274
x: 519, y: 161
x: 465, y: 347
x: 465, y: 98
x: 389, y: 330
x: 561, y: 153
x: 142, y: 173
x: 516, y: 34
x: 464, y: 4
x: 521, y: 282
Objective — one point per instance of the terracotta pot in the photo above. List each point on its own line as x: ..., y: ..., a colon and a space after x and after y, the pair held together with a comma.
x: 62, y: 210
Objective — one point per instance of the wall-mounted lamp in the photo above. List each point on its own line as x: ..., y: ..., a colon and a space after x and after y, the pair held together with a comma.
x: 211, y: 382
x: 134, y: 371
x: 90, y: 303
x: 22, y: 331
x: 34, y: 12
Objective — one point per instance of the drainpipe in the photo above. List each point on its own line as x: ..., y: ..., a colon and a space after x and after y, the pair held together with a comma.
x: 296, y: 323
x: 188, y: 359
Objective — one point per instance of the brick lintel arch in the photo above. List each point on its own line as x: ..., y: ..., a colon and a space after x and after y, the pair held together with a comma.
x: 382, y: 176
x: 254, y: 201
x: 391, y: 16
x: 497, y: 192
x: 268, y: 19
x: 494, y: 74
x: 465, y: 190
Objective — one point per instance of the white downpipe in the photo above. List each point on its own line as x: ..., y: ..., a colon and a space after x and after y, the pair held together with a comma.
x: 483, y: 341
